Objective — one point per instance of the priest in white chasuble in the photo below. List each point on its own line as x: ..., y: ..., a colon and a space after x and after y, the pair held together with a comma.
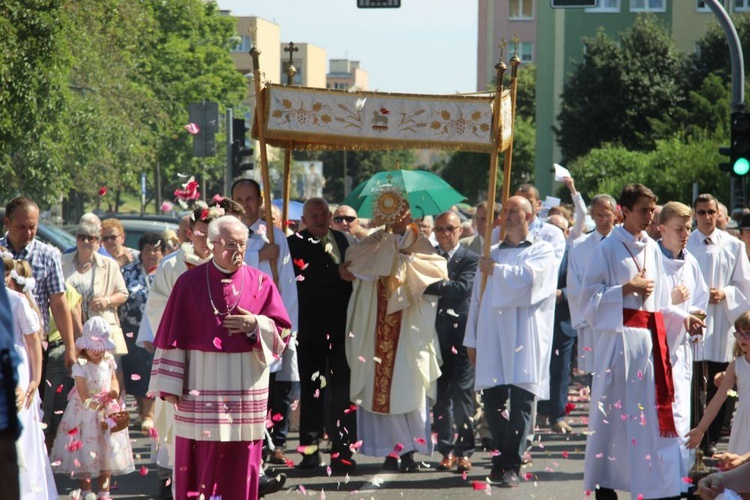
x: 509, y: 335
x: 632, y: 443
x: 391, y: 343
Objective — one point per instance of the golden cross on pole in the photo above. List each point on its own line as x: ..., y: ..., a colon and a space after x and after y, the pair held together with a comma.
x: 516, y: 40
x: 290, y: 69
x: 502, y: 46
x: 252, y: 31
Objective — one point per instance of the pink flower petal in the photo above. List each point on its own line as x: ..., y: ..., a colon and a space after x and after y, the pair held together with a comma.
x: 217, y: 343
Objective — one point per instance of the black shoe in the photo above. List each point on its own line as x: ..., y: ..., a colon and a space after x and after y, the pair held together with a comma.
x: 605, y: 494
x: 165, y: 489
x: 408, y: 464
x: 268, y: 486
x: 510, y: 479
x: 487, y: 444
x: 390, y: 464
x: 343, y: 464
x: 310, y: 461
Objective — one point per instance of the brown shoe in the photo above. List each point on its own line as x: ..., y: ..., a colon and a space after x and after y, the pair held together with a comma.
x: 464, y: 464
x: 278, y: 456
x: 448, y: 462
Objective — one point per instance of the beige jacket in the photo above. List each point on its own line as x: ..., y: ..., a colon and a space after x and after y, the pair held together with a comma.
x: 107, y: 281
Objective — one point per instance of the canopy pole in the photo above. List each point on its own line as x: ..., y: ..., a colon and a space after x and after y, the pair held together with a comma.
x: 500, y: 68
x: 260, y: 117
x: 515, y: 61
x: 290, y: 72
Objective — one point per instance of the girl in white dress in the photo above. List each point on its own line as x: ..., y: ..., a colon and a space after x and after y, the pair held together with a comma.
x: 737, y: 372
x: 35, y: 474
x: 85, y: 446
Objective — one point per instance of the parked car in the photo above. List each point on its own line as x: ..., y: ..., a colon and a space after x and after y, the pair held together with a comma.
x: 135, y: 228
x: 55, y: 236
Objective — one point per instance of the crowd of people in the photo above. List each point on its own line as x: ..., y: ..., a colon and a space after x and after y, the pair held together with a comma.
x: 395, y: 336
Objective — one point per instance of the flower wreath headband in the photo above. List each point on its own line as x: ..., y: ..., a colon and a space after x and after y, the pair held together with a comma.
x: 26, y: 284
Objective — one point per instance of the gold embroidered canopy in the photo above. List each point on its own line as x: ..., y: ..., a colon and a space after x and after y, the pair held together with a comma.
x: 311, y: 118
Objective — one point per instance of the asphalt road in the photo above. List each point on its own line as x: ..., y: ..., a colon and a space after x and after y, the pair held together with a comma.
x: 556, y: 473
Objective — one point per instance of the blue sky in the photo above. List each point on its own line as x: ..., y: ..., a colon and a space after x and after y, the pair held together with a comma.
x: 426, y: 46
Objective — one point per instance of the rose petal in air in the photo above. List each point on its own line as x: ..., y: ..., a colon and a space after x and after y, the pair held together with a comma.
x: 217, y: 343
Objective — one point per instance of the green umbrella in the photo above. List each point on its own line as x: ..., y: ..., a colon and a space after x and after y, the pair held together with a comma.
x: 427, y: 193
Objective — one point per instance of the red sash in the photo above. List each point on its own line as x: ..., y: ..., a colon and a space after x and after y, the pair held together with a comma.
x: 654, y: 322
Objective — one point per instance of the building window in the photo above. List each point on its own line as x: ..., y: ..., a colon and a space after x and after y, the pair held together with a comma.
x: 242, y: 43
x: 741, y: 5
x: 700, y: 6
x: 606, y: 6
x: 526, y: 52
x: 647, y: 6
x: 521, y: 9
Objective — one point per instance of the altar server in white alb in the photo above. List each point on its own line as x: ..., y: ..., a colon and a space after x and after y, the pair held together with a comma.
x: 689, y: 292
x: 603, y: 209
x: 633, y: 444
x: 726, y: 271
x: 509, y: 334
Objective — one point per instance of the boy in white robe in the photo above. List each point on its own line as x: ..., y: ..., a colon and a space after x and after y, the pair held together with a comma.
x: 632, y: 445
x: 688, y: 292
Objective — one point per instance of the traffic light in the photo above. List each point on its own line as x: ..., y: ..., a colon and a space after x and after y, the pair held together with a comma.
x: 378, y: 4
x: 574, y: 4
x: 206, y: 116
x: 740, y: 147
x: 239, y: 147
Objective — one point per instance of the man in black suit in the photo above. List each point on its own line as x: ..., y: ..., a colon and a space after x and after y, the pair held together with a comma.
x: 456, y: 384
x: 323, y: 289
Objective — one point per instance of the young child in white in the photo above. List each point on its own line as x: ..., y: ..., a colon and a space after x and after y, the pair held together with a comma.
x: 738, y: 372
x: 85, y: 447
x: 35, y: 474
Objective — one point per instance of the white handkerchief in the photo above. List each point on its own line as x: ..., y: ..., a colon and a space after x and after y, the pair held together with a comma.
x: 561, y: 172
x: 551, y: 201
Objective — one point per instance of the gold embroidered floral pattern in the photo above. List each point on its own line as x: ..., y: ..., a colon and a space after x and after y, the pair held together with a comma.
x: 447, y: 124
x: 386, y: 342
x: 317, y: 114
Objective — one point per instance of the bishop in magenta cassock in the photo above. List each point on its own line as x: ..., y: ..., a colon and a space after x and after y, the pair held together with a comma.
x: 220, y: 331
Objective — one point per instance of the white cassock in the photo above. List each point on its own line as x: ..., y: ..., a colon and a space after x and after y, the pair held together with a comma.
x: 724, y: 265
x: 579, y: 256
x: 511, y: 329
x: 683, y: 271
x: 170, y: 268
x: 624, y: 450
x: 286, y: 368
x: 539, y: 230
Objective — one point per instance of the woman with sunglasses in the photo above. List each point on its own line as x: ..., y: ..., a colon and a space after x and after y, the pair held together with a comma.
x: 113, y: 239
x: 97, y: 279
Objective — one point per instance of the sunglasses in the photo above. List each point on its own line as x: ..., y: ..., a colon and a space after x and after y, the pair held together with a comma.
x: 86, y: 238
x: 744, y: 335
x: 445, y: 229
x: 341, y: 218
x: 110, y: 238
x: 705, y: 212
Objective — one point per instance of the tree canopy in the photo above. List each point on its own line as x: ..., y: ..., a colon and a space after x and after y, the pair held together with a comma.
x: 94, y: 92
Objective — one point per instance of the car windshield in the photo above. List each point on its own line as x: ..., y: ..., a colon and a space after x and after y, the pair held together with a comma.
x: 57, y: 236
